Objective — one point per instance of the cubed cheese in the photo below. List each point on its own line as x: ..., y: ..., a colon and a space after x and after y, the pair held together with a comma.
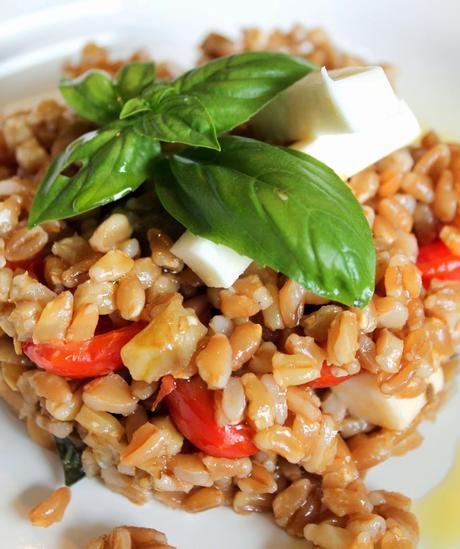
x: 347, y: 118
x: 364, y: 399
x: 339, y: 101
x: 349, y: 153
x: 217, y: 265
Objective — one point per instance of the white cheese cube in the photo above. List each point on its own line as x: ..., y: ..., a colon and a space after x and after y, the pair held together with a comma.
x: 364, y: 399
x: 217, y: 265
x: 349, y: 153
x: 339, y: 101
x: 346, y: 118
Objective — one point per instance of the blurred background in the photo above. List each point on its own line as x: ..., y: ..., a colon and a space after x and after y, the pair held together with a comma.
x: 417, y: 35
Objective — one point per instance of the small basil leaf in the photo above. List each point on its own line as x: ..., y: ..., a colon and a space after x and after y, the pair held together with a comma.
x: 134, y: 106
x: 92, y: 96
x: 282, y: 208
x: 235, y: 88
x: 109, y: 163
x: 70, y: 456
x: 179, y: 119
x: 133, y: 78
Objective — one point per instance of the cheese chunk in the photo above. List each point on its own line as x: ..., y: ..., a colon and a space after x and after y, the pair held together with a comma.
x: 217, y: 265
x: 349, y: 153
x: 339, y: 101
x: 364, y: 399
x: 346, y: 118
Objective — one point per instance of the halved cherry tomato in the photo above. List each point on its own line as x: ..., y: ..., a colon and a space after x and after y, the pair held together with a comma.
x: 191, y: 406
x: 327, y: 378
x: 435, y: 260
x: 79, y: 359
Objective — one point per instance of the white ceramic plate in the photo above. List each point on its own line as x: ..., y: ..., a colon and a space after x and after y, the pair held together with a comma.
x: 420, y: 36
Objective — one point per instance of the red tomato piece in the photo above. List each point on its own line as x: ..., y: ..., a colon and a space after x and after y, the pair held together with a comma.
x: 435, y: 260
x: 79, y: 359
x: 191, y: 406
x: 34, y: 266
x: 327, y: 378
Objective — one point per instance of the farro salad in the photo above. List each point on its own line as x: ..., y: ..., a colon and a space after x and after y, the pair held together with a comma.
x: 235, y: 286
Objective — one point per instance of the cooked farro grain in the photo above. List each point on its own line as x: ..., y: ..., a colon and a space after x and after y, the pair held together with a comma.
x: 51, y: 509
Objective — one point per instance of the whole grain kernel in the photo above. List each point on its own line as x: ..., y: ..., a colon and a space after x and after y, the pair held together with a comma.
x: 364, y: 185
x: 245, y: 340
x: 342, y: 340
x: 111, y: 267
x: 24, y: 243
x: 146, y: 271
x: 51, y: 509
x: 111, y: 232
x: 291, y: 302
x: 261, y: 408
x: 101, y: 294
x: 445, y: 198
x: 259, y: 481
x: 54, y: 319
x: 235, y: 305
x: 294, y: 369
x: 232, y: 403
x: 160, y: 245
x: 202, y: 499
x: 281, y: 440
x: 109, y: 393
x: 130, y: 297
x: 262, y: 361
x: 450, y: 235
x: 388, y: 351
x: 214, y: 362
x: 391, y: 313
x: 84, y: 323
x: 71, y: 249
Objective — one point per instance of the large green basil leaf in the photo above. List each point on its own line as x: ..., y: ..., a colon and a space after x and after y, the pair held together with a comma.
x: 95, y: 169
x: 179, y: 119
x: 280, y: 207
x: 133, y: 78
x: 92, y: 96
x: 235, y: 88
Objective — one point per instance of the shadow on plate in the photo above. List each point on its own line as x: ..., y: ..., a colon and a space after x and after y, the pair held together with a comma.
x: 30, y: 497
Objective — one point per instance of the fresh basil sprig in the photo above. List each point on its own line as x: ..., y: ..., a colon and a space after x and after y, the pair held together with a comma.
x: 97, y: 168
x: 192, y: 110
x: 96, y: 97
x: 280, y: 207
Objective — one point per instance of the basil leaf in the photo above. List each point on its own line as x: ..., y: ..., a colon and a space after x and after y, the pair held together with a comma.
x: 179, y: 119
x: 235, y: 88
x: 280, y: 207
x: 92, y: 96
x: 133, y: 78
x: 110, y: 163
x: 134, y: 106
x: 70, y: 457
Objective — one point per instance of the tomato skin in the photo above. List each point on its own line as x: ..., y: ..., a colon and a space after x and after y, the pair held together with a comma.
x: 327, y: 379
x: 191, y: 406
x: 97, y: 356
x: 34, y: 266
x: 435, y: 260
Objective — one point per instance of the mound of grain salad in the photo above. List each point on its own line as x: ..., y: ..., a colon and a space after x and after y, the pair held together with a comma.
x: 238, y: 286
